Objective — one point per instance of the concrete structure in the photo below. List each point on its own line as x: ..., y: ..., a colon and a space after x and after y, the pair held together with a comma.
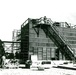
x: 34, y: 41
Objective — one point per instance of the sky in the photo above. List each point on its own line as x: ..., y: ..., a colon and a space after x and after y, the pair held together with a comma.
x: 14, y: 12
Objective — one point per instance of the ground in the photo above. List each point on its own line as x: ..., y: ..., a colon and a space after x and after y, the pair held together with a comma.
x: 52, y: 71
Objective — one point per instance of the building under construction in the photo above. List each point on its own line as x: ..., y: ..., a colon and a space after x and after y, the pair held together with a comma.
x: 47, y: 39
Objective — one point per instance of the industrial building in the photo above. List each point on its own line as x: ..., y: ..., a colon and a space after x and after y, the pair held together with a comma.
x: 47, y: 39
x: 16, y: 38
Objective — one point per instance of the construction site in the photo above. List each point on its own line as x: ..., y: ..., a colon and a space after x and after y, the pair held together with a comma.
x: 44, y: 38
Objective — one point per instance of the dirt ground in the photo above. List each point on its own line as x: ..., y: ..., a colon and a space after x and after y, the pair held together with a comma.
x: 52, y: 71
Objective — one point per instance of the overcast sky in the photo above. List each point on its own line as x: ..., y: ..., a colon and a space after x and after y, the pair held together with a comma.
x: 14, y: 12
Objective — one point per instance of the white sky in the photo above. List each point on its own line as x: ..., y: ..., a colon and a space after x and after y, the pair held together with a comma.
x: 14, y: 12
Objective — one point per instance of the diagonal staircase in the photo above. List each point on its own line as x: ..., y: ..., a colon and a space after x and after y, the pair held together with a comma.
x: 59, y: 42
x: 52, y: 33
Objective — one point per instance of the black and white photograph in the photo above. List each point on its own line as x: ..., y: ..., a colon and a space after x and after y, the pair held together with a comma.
x: 37, y: 37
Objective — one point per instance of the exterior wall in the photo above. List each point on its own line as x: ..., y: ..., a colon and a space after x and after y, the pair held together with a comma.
x: 41, y: 45
x: 69, y: 35
x: 24, y: 42
x: 45, y: 48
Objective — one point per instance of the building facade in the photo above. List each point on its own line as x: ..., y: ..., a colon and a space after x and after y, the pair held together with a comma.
x: 34, y: 41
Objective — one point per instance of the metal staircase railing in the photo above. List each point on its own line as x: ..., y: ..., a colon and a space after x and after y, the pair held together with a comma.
x: 59, y: 41
x: 61, y: 38
x: 56, y: 38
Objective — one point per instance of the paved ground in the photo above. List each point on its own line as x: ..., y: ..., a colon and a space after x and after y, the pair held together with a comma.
x: 52, y: 71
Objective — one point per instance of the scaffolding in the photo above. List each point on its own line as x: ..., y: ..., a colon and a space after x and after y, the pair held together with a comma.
x: 16, y: 39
